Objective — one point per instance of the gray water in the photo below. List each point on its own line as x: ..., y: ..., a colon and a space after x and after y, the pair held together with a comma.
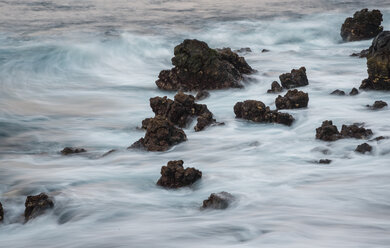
x: 80, y: 73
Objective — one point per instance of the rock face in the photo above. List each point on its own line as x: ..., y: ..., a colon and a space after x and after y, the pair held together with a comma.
x: 175, y: 176
x: 218, y: 201
x: 161, y: 134
x: 378, y: 64
x: 293, y: 99
x: 297, y: 78
x: 338, y: 93
x: 362, y: 26
x: 377, y: 105
x: 363, y: 148
x: 37, y: 205
x: 72, y: 150
x: 329, y: 132
x: 198, y: 67
x: 257, y: 111
x: 1, y: 213
x: 275, y: 88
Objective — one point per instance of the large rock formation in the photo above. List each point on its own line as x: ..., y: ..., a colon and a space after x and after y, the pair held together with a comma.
x: 362, y: 26
x: 175, y: 176
x: 37, y: 205
x: 292, y: 100
x: 218, y: 201
x: 198, y: 67
x: 329, y: 132
x: 297, y: 78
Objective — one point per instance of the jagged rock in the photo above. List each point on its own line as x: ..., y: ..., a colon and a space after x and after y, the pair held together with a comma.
x: 275, y: 88
x: 161, y: 134
x: 175, y: 176
x: 338, y: 93
x: 37, y: 205
x: 361, y: 54
x: 328, y: 132
x: 220, y: 200
x: 378, y: 64
x: 363, y: 148
x: 202, y: 95
x: 362, y: 26
x: 377, y: 105
x: 325, y: 161
x: 198, y: 67
x: 257, y: 111
x: 72, y: 150
x: 243, y: 50
x: 297, y: 78
x: 354, y: 92
x: 355, y: 131
x: 1, y: 213
x: 293, y: 99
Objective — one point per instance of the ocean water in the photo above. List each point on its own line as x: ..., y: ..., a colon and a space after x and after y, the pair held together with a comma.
x: 80, y: 73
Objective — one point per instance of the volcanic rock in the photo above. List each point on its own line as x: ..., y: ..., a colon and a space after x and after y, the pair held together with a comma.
x: 355, y: 131
x: 361, y: 54
x: 275, y: 88
x: 37, y: 205
x: 354, y: 92
x: 218, y: 201
x: 363, y: 148
x: 338, y: 93
x: 297, y: 78
x: 362, y: 26
x: 202, y: 95
x: 328, y: 132
x: 377, y: 105
x: 293, y: 99
x: 175, y: 176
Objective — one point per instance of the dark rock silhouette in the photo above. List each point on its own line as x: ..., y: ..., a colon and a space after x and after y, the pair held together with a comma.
x: 175, y: 176
x: 377, y: 105
x: 354, y: 92
x: 328, y: 132
x: 218, y: 201
x: 362, y: 26
x: 243, y: 50
x: 1, y: 213
x: 363, y: 148
x: 297, y: 78
x: 325, y: 161
x: 275, y: 88
x: 338, y: 93
x: 355, y: 131
x: 37, y: 205
x: 292, y: 100
x: 72, y: 150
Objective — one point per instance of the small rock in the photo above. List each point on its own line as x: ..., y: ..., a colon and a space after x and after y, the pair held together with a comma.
x: 72, y: 150
x: 220, y: 200
x: 109, y: 152
x: 328, y: 132
x: 292, y: 100
x: 355, y: 131
x: 338, y: 93
x: 379, y: 138
x: 363, y: 148
x: 297, y: 78
x: 325, y: 161
x: 202, y: 95
x: 37, y: 205
x: 1, y: 213
x: 362, y: 26
x: 377, y: 105
x: 275, y: 88
x: 354, y: 92
x: 265, y: 51
x: 362, y: 54
x: 243, y: 50
x: 175, y: 176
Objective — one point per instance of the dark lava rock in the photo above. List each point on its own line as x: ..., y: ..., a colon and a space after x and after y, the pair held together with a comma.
x: 243, y: 50
x: 202, y: 95
x: 325, y: 161
x: 328, y: 132
x: 362, y: 26
x: 361, y: 54
x: 354, y: 92
x: 377, y: 105
x: 72, y: 150
x: 275, y: 88
x: 161, y: 134
x: 355, y: 131
x: 198, y: 67
x: 37, y: 205
x: 363, y: 148
x: 378, y: 64
x: 175, y: 176
x: 1, y: 213
x: 338, y: 93
x: 257, y: 111
x: 297, y: 78
x: 293, y: 99
x: 218, y: 201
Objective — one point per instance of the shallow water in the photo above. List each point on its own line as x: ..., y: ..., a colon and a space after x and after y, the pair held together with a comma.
x: 81, y: 74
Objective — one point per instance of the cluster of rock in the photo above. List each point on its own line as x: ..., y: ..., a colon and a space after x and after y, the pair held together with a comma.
x: 338, y: 92
x: 329, y: 132
x: 362, y: 26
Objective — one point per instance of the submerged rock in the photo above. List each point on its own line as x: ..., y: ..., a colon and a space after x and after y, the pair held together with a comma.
x: 293, y: 99
x: 202, y: 95
x: 363, y: 148
x: 72, y: 150
x: 275, y: 88
x: 355, y: 131
x: 198, y: 67
x: 325, y: 161
x: 361, y: 54
x: 328, y: 132
x: 362, y: 26
x: 161, y: 134
x: 1, y: 213
x: 379, y: 138
x: 265, y: 51
x: 377, y: 105
x: 354, y: 92
x: 175, y: 176
x: 338, y: 93
x: 220, y: 200
x: 297, y: 78
x: 243, y: 50
x: 37, y: 205
x: 257, y: 111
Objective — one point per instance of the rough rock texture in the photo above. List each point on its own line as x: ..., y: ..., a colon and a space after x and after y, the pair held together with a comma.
x: 338, y: 93
x: 378, y: 64
x: 72, y: 150
x: 175, y: 176
x: 293, y: 99
x: 361, y: 54
x: 355, y: 131
x: 377, y: 105
x: 328, y: 132
x: 363, y: 148
x: 257, y: 111
x: 297, y: 78
x: 161, y: 134
x: 37, y: 205
x: 354, y: 92
x: 218, y: 201
x: 1, y: 213
x: 198, y: 67
x: 362, y: 26
x: 202, y: 95
x: 275, y: 88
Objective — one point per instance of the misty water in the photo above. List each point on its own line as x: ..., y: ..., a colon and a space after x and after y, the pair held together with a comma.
x: 80, y: 73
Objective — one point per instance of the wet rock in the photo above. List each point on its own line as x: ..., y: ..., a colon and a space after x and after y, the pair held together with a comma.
x: 328, y: 132
x: 202, y: 95
x: 198, y: 67
x: 108, y: 153
x: 354, y: 92
x: 377, y: 105
x: 161, y: 134
x: 37, y: 205
x: 220, y: 200
x: 1, y: 213
x: 72, y: 150
x: 361, y: 54
x: 297, y: 78
x: 257, y: 111
x: 379, y: 138
x: 292, y: 100
x: 275, y: 88
x: 338, y: 93
x: 243, y: 50
x: 378, y: 64
x: 175, y: 176
x: 325, y: 161
x: 265, y: 51
x: 363, y: 148
x: 362, y: 26
x: 355, y: 131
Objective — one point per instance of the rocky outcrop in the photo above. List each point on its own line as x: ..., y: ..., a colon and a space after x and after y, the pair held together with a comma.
x: 297, y: 78
x: 362, y: 26
x: 220, y: 200
x: 354, y: 92
x: 292, y: 100
x: 378, y: 64
x: 161, y: 134
x: 377, y: 105
x: 329, y: 132
x: 275, y: 88
x: 175, y: 176
x: 257, y: 111
x: 37, y: 205
x: 72, y: 150
x: 198, y: 67
x: 1, y: 213
x: 363, y: 148
x: 361, y: 54
x: 338, y: 93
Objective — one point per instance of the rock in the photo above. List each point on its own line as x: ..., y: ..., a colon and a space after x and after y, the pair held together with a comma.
x: 362, y: 26
x: 175, y: 176
x: 325, y: 161
x: 72, y: 150
x: 275, y: 88
x: 1, y: 213
x: 328, y: 132
x: 378, y: 64
x: 338, y: 93
x: 265, y: 51
x: 377, y: 105
x: 379, y: 138
x: 37, y: 205
x: 293, y: 99
x: 108, y: 153
x: 354, y: 92
x: 361, y: 54
x: 198, y: 67
x: 243, y: 50
x: 202, y: 95
x: 355, y: 131
x: 218, y: 201
x: 257, y: 111
x: 297, y: 78
x: 363, y: 148
x: 161, y: 134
